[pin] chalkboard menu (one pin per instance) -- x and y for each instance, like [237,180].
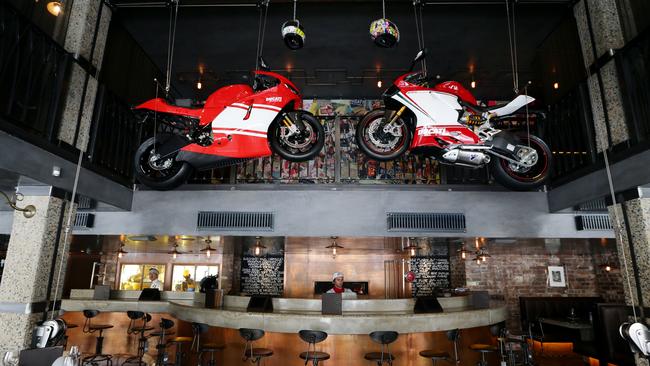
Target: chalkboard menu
[431,273]
[262,275]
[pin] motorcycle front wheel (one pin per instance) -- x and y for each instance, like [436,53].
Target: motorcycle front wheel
[301,146]
[160,174]
[379,144]
[516,178]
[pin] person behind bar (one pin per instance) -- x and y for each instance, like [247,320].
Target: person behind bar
[338,279]
[153,277]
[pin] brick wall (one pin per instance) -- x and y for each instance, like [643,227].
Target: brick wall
[520,269]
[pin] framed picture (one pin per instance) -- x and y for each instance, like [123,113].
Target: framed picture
[556,277]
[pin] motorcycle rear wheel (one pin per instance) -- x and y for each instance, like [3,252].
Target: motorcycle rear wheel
[505,173]
[297,148]
[366,133]
[160,175]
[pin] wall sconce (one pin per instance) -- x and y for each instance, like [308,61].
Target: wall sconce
[208,249]
[258,246]
[54,8]
[463,252]
[28,211]
[334,246]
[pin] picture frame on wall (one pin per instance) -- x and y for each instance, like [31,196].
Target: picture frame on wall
[556,276]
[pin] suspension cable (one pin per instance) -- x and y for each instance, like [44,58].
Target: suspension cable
[171,41]
[512,40]
[383,9]
[618,230]
[419,28]
[261,30]
[295,4]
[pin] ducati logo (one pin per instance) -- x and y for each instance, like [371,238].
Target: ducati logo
[430,131]
[274,99]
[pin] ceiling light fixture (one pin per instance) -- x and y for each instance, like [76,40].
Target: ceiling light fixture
[334,246]
[174,252]
[556,85]
[54,8]
[121,251]
[412,248]
[379,84]
[473,84]
[208,249]
[258,246]
[199,85]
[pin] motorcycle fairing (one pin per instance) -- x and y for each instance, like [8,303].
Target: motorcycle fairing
[436,116]
[240,129]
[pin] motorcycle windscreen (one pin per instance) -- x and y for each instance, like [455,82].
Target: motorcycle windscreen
[431,108]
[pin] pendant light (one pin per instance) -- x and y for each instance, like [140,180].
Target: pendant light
[334,246]
[174,252]
[258,246]
[293,33]
[208,249]
[412,248]
[121,252]
[55,8]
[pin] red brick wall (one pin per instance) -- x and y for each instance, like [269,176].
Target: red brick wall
[519,269]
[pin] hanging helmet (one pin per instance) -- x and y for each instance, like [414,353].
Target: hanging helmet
[384,33]
[293,34]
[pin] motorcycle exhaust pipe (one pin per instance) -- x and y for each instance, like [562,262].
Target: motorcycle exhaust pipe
[467,157]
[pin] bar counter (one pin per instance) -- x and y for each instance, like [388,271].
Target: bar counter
[347,342]
[291,315]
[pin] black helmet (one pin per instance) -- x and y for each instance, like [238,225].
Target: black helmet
[293,34]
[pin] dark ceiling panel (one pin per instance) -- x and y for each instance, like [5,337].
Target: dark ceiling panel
[339,60]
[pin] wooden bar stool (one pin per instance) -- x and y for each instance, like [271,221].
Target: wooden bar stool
[384,338]
[254,354]
[180,354]
[435,356]
[89,327]
[312,337]
[210,348]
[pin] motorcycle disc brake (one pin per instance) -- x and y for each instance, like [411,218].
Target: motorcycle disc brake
[383,139]
[298,141]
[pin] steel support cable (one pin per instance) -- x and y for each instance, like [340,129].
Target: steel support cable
[173,17]
[617,230]
[512,40]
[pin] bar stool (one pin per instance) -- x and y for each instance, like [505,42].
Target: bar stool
[452,335]
[180,354]
[89,327]
[162,356]
[254,354]
[384,338]
[312,337]
[210,348]
[483,348]
[134,328]
[68,326]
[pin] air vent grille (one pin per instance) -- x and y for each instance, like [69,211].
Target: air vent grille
[85,203]
[595,205]
[593,222]
[426,221]
[235,221]
[83,221]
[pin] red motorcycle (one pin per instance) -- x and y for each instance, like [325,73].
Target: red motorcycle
[237,123]
[446,122]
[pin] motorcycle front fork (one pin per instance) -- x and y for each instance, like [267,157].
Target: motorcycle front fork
[295,124]
[393,118]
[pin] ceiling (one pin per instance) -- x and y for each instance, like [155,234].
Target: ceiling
[339,59]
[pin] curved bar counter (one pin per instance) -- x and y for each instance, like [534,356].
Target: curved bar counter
[292,315]
[348,339]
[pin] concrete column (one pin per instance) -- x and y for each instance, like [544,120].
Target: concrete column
[607,34]
[82,28]
[28,266]
[637,213]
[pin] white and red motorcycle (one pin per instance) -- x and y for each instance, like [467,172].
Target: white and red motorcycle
[446,122]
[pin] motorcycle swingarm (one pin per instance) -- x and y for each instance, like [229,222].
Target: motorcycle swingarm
[170,144]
